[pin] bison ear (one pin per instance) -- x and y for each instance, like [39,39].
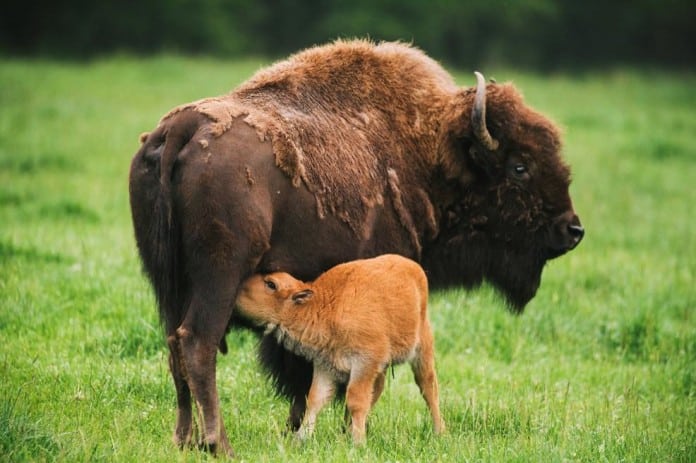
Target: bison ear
[301,297]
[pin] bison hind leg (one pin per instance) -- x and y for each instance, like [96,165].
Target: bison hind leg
[184,423]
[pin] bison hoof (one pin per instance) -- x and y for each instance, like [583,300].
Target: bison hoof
[217,448]
[183,439]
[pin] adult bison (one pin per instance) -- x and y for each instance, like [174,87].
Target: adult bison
[343,151]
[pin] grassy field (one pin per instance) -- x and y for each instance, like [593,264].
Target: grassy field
[601,367]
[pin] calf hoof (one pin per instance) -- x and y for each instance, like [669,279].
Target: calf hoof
[302,434]
[359,440]
[346,428]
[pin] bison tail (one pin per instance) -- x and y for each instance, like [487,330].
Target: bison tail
[166,271]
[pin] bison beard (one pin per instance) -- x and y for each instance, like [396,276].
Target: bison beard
[331,156]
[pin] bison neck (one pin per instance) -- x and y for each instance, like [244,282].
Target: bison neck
[455,259]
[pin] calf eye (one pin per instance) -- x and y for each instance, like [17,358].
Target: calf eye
[520,169]
[270,285]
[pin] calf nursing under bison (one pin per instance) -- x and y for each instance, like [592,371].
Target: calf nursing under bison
[352,323]
[341,152]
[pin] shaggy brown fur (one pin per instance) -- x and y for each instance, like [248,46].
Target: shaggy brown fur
[341,152]
[385,88]
[352,323]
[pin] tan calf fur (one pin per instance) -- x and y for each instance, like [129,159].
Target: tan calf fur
[352,322]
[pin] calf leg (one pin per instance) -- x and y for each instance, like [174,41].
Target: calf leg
[377,389]
[359,394]
[423,366]
[320,392]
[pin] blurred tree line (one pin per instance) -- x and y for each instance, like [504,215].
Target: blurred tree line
[543,34]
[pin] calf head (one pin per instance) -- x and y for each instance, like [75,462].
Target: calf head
[511,211]
[263,299]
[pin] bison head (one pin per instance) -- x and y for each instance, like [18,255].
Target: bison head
[509,210]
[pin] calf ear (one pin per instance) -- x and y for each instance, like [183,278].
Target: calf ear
[301,297]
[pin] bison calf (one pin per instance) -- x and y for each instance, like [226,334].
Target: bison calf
[352,322]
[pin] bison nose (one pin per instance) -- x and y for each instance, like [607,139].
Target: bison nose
[567,233]
[576,232]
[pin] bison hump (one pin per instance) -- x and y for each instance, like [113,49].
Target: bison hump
[342,119]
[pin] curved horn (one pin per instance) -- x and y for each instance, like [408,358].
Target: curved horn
[478,115]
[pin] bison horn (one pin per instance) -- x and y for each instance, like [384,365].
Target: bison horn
[478,115]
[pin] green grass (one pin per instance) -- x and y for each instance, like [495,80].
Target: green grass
[601,367]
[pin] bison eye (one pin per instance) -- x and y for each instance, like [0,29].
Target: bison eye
[520,171]
[270,285]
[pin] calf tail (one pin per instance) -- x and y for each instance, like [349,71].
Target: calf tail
[424,292]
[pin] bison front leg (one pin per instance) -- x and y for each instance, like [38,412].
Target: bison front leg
[291,374]
[298,406]
[299,373]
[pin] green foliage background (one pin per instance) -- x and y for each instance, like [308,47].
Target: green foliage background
[601,367]
[541,34]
